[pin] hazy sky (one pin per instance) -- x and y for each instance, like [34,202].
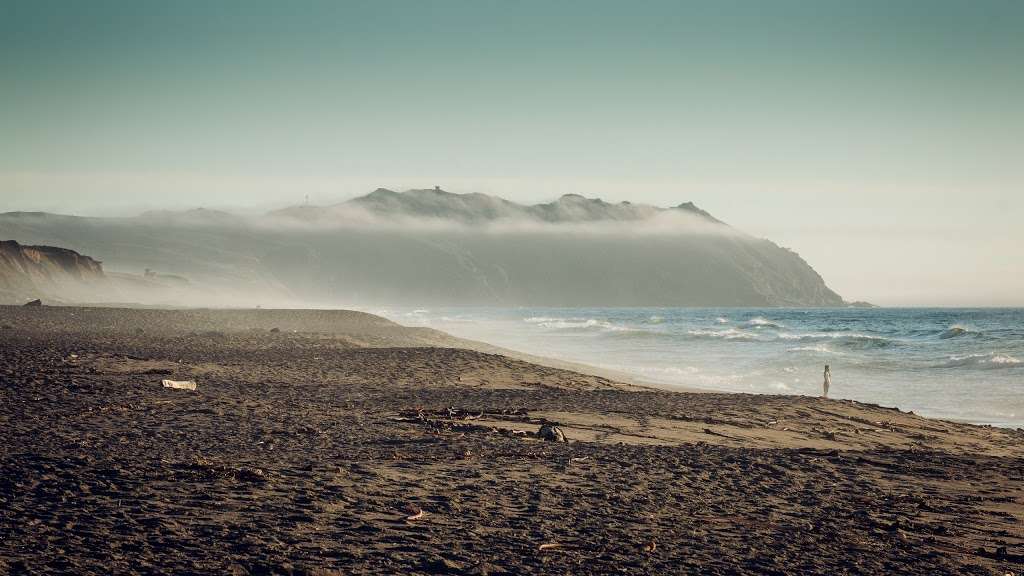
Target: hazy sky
[883,141]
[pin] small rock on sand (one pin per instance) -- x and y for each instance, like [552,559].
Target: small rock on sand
[551,433]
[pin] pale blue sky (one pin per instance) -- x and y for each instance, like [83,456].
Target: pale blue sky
[881,140]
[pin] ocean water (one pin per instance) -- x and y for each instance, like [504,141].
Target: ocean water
[962,364]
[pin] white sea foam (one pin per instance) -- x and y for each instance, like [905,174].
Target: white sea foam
[989,360]
[845,339]
[726,334]
[762,322]
[542,319]
[829,336]
[658,370]
[578,324]
[457,319]
[817,348]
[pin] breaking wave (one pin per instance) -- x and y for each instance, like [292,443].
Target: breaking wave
[579,324]
[724,334]
[760,322]
[955,332]
[568,323]
[817,348]
[846,340]
[991,360]
[547,319]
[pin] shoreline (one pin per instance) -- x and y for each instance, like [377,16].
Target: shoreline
[361,446]
[434,337]
[438,338]
[925,363]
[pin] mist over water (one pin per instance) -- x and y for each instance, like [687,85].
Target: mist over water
[965,364]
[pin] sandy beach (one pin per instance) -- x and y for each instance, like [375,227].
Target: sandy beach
[334,442]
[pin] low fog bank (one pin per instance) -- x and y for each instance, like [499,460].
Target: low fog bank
[356,218]
[433,248]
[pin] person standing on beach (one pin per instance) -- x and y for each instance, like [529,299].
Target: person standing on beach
[828,381]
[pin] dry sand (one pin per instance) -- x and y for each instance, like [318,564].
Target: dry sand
[338,442]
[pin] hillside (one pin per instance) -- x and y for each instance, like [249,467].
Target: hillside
[29,272]
[476,208]
[431,247]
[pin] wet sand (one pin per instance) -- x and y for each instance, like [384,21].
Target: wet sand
[340,443]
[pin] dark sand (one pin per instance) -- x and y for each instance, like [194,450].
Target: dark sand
[316,451]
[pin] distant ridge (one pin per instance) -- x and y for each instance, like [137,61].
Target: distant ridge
[473,208]
[430,247]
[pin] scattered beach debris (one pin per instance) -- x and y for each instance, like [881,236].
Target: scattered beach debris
[248,474]
[551,433]
[459,421]
[159,371]
[442,565]
[549,546]
[420,513]
[453,420]
[203,469]
[650,546]
[36,302]
[180,384]
[1000,553]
